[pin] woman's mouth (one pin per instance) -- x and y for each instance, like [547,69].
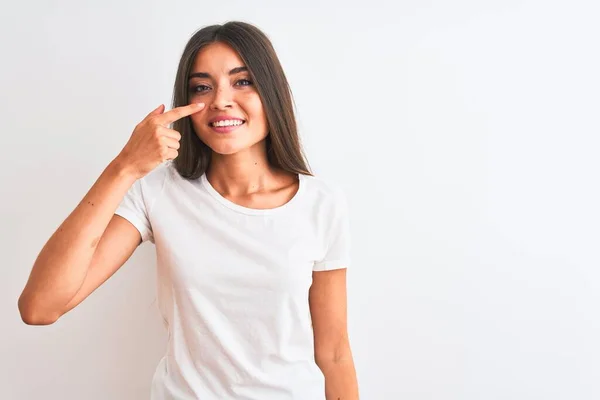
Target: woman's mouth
[226,126]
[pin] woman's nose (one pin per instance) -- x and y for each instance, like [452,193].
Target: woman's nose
[222,99]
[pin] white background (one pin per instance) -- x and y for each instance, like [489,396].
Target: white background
[465,134]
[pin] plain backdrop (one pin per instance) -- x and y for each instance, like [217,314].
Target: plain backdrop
[465,134]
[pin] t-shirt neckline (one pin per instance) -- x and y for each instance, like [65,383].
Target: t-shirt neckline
[252,211]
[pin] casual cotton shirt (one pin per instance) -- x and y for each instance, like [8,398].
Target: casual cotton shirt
[233,285]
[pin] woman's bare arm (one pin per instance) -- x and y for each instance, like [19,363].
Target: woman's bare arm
[62,265]
[92,242]
[328,307]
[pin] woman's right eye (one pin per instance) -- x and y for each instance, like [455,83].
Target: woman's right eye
[199,88]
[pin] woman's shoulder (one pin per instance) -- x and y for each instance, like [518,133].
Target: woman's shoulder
[159,174]
[153,183]
[324,188]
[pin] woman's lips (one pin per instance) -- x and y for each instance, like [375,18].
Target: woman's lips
[225,129]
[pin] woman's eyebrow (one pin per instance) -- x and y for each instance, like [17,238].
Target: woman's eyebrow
[234,71]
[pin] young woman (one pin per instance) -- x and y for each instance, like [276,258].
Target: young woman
[252,249]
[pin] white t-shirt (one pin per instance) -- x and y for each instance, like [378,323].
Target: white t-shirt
[233,285]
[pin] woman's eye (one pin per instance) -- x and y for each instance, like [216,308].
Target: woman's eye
[199,88]
[204,88]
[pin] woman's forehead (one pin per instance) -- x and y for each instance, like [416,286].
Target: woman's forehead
[217,57]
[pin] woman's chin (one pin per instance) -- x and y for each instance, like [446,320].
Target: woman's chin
[233,146]
[226,148]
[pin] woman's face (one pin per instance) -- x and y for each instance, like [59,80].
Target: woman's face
[219,79]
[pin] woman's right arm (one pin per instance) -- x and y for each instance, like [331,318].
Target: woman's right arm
[62,265]
[93,242]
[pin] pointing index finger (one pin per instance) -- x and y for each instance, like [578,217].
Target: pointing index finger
[179,112]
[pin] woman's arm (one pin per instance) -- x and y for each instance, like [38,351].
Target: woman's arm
[328,309]
[92,243]
[62,265]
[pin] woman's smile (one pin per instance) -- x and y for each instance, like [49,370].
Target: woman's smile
[226,126]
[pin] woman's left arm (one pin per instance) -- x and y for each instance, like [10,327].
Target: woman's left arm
[328,307]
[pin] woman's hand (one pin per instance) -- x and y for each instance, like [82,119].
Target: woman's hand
[151,142]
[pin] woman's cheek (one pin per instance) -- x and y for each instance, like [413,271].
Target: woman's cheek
[196,123]
[198,118]
[255,106]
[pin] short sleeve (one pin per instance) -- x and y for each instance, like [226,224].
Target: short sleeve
[337,254]
[134,208]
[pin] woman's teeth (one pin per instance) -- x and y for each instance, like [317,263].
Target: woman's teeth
[227,123]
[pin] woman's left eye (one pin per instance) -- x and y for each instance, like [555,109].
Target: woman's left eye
[247,82]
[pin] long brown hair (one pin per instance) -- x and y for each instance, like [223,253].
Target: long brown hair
[284,149]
